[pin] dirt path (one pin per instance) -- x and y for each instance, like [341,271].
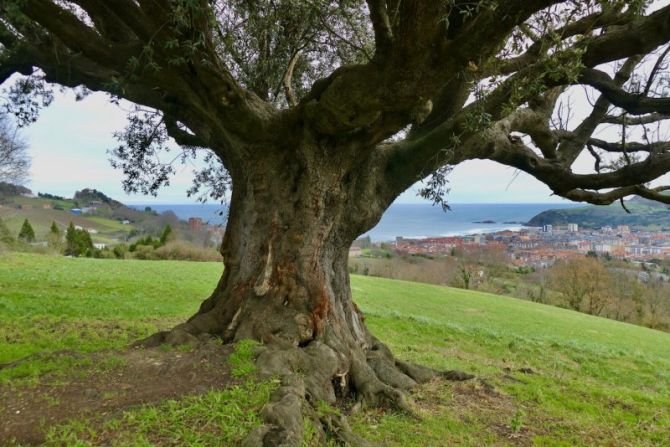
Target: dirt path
[136,377]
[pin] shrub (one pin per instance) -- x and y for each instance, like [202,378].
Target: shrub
[184,251]
[120,251]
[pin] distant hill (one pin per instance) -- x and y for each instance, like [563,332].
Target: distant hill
[88,196]
[645,214]
[109,221]
[7,190]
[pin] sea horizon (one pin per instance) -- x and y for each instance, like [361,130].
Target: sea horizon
[408,220]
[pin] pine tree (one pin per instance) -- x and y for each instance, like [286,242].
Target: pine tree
[27,234]
[167,232]
[71,241]
[77,241]
[55,237]
[5,235]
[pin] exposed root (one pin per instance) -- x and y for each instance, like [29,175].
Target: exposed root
[457,375]
[173,337]
[312,379]
[315,376]
[41,356]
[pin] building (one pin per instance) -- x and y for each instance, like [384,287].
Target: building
[548,228]
[355,252]
[195,223]
[573,228]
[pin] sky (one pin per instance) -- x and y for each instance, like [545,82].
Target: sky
[69,142]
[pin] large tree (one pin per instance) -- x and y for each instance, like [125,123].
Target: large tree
[14,160]
[322,113]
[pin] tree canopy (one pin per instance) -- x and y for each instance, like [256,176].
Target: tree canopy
[422,85]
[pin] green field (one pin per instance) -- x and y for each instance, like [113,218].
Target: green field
[587,380]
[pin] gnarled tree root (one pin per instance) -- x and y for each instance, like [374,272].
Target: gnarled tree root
[315,377]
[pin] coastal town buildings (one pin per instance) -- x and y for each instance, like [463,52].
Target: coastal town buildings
[541,247]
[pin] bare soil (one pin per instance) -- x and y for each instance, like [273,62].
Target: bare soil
[136,377]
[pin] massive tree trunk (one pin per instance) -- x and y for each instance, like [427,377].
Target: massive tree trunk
[286,284]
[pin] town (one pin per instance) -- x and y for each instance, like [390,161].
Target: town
[540,247]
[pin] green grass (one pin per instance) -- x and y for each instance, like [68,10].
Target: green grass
[90,304]
[216,418]
[595,381]
[109,224]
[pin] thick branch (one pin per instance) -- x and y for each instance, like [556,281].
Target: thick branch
[635,120]
[544,43]
[638,37]
[606,198]
[659,146]
[72,32]
[632,103]
[287,80]
[381,25]
[570,149]
[181,136]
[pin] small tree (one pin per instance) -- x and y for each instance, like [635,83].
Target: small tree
[77,241]
[5,235]
[14,160]
[584,282]
[27,234]
[166,235]
[55,237]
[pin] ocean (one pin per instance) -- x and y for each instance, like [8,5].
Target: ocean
[412,220]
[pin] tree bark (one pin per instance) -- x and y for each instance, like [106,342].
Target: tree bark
[286,284]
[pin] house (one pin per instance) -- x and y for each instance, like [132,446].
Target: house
[355,252]
[100,245]
[195,223]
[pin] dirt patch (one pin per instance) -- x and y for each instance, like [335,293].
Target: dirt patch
[136,377]
[479,399]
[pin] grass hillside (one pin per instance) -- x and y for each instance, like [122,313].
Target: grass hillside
[545,376]
[16,209]
[644,214]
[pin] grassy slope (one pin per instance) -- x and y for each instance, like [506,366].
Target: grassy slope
[109,230]
[596,381]
[644,214]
